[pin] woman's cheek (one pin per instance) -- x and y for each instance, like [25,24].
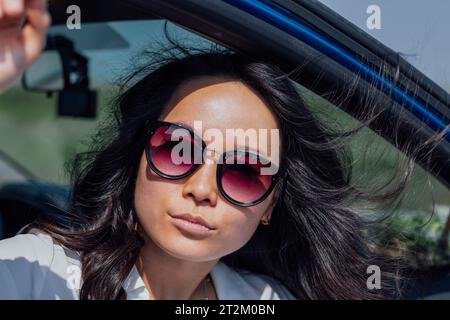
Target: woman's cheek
[237,229]
[150,201]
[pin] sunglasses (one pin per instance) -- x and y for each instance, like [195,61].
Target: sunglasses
[175,152]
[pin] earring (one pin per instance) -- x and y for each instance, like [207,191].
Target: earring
[265,222]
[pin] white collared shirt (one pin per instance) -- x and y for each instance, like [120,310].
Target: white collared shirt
[33,266]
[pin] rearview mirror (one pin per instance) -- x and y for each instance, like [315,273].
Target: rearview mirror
[46,74]
[62,69]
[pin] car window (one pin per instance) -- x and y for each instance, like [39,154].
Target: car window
[374,159]
[417,226]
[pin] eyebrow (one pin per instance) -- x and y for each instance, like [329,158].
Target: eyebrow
[183,124]
[238,148]
[248,148]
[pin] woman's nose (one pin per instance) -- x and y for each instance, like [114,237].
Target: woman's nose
[202,186]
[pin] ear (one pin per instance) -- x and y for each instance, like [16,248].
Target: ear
[267,214]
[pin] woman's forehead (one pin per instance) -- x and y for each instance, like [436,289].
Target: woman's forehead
[219,104]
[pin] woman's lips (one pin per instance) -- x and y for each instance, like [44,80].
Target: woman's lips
[195,225]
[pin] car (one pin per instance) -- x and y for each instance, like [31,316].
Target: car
[80,61]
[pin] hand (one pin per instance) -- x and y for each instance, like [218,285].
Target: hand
[21,44]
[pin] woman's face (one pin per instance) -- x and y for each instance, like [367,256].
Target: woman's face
[219,104]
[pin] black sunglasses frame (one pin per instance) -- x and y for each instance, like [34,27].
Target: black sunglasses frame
[154,125]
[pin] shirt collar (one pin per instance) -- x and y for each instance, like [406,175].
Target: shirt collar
[228,284]
[135,286]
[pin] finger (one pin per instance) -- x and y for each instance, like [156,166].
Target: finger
[10,25]
[34,34]
[32,44]
[36,4]
[38,19]
[13,8]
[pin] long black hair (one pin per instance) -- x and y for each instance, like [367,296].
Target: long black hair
[317,243]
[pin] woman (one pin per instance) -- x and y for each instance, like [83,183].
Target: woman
[144,226]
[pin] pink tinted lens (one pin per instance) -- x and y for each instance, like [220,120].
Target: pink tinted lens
[242,179]
[161,147]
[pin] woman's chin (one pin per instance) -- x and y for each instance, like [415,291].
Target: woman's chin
[190,250]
